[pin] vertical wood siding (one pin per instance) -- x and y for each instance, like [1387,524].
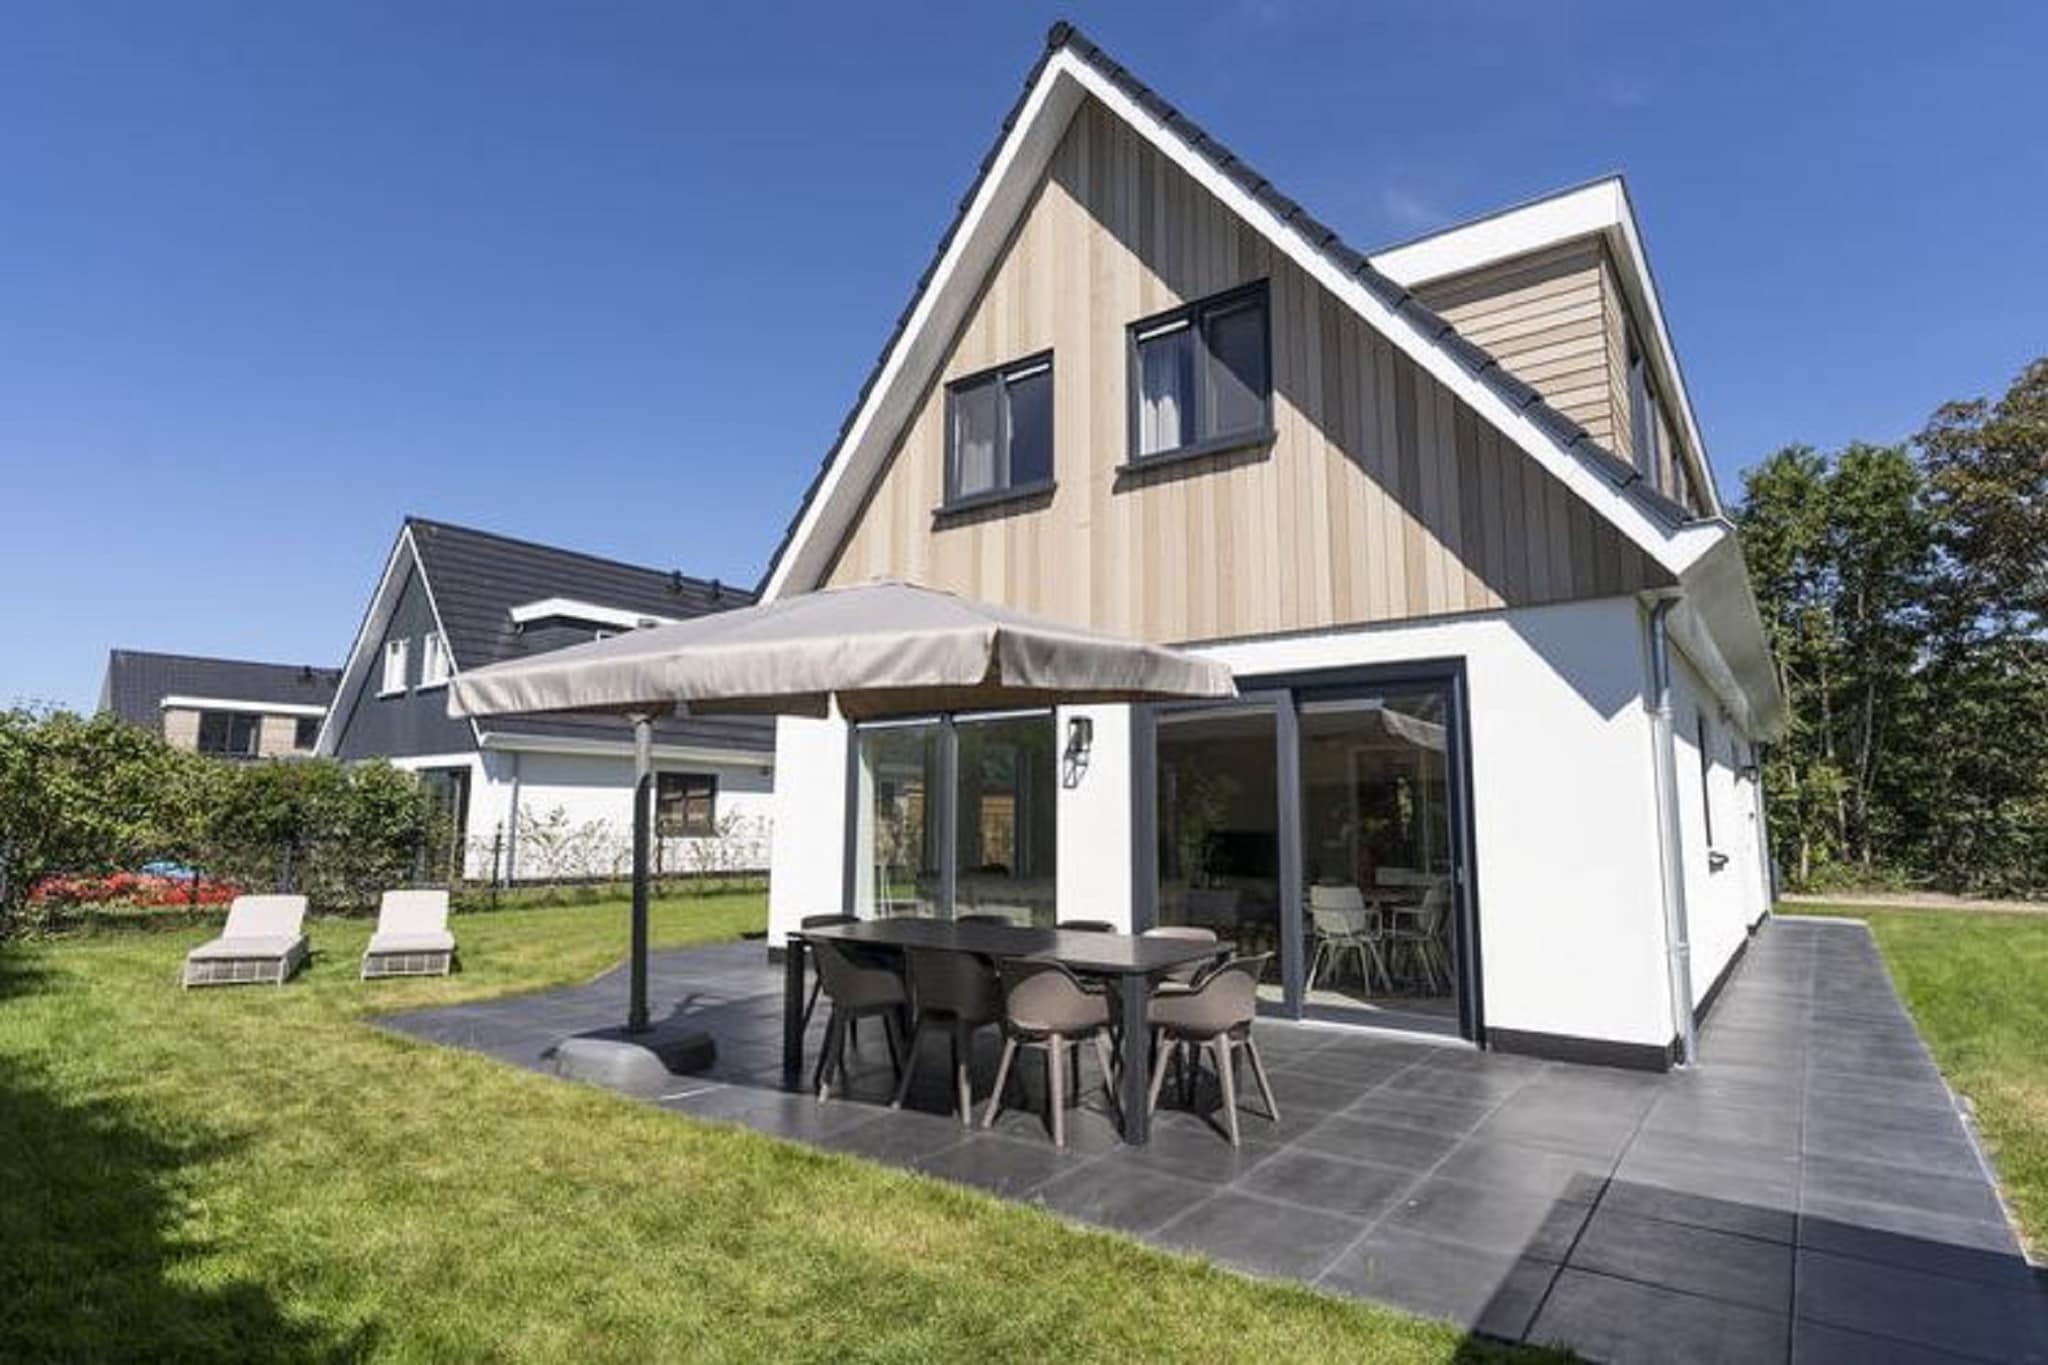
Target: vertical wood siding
[1382,497]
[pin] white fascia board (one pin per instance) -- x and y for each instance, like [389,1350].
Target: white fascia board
[922,346]
[375,616]
[262,708]
[985,227]
[574,609]
[1601,208]
[601,748]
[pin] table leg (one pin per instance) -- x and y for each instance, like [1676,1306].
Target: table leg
[793,954]
[1134,1080]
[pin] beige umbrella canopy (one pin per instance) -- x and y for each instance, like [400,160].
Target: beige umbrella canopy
[883,648]
[878,649]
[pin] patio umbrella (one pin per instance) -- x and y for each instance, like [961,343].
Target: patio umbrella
[885,648]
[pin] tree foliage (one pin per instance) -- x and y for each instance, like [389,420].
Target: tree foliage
[1905,589]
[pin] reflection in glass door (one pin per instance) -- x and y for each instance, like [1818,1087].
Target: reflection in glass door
[898,838]
[1218,828]
[1379,834]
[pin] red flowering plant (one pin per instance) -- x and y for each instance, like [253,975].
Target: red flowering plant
[141,889]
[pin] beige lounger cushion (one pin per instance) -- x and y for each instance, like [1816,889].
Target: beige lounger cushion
[442,942]
[256,946]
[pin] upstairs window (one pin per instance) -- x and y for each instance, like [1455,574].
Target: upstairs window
[685,805]
[1201,376]
[433,660]
[1643,423]
[229,734]
[395,652]
[999,432]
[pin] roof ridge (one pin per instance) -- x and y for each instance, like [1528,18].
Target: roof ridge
[126,653]
[431,524]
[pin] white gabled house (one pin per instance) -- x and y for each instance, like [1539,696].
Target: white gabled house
[1445,511]
[543,797]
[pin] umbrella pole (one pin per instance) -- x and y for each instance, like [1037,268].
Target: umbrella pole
[643,798]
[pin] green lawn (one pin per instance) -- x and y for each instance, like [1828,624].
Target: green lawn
[260,1173]
[1977,984]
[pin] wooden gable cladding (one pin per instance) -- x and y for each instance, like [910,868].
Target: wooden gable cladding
[1382,497]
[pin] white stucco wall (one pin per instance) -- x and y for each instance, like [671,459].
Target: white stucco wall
[1721,906]
[807,868]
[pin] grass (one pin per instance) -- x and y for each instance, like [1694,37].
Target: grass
[262,1174]
[1977,984]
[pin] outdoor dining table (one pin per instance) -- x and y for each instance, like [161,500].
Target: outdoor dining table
[1129,963]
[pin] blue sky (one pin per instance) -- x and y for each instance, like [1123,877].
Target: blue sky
[608,275]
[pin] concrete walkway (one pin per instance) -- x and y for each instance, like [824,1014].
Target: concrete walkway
[1807,1193]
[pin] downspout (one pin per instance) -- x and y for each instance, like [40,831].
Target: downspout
[512,825]
[1670,836]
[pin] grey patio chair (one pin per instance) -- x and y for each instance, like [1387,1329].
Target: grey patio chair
[1342,926]
[412,937]
[1045,1006]
[1190,933]
[960,993]
[1215,1013]
[263,941]
[818,981]
[856,988]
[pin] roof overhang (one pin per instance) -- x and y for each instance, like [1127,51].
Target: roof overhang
[1599,209]
[265,708]
[1063,79]
[587,613]
[498,741]
[1717,626]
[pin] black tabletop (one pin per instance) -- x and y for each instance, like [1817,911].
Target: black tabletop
[1100,954]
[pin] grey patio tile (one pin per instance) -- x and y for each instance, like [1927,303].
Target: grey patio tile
[1506,1165]
[1476,1290]
[1127,1198]
[1718,1265]
[999,1165]
[1918,1091]
[1774,1127]
[1964,1249]
[897,1138]
[1385,1144]
[1091,1131]
[1559,1123]
[1427,1113]
[1354,1188]
[1505,1222]
[1730,1171]
[800,1118]
[1929,1310]
[1816,1343]
[1184,1145]
[1455,1084]
[1348,1068]
[1261,1236]
[1306,1092]
[1875,1182]
[1621,1322]
[1939,1148]
[1700,1211]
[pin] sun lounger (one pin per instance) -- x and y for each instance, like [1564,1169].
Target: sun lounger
[263,941]
[412,937]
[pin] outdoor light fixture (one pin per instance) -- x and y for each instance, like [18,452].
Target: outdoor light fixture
[1080,736]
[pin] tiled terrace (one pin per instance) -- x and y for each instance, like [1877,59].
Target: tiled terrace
[1807,1193]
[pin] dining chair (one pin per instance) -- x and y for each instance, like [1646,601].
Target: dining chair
[856,989]
[1216,1013]
[983,918]
[1187,933]
[818,981]
[1343,925]
[1087,926]
[1045,1006]
[958,992]
[1422,940]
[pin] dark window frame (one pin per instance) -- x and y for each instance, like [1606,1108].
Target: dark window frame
[1000,376]
[1197,315]
[1706,774]
[305,732]
[687,784]
[232,720]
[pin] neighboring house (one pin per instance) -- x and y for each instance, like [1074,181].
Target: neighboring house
[543,797]
[230,708]
[1443,509]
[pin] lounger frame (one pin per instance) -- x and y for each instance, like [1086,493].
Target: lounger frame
[245,971]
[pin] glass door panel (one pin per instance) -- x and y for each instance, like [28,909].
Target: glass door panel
[1379,850]
[897,837]
[1005,829]
[1219,827]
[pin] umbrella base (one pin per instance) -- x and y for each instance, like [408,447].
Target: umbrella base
[646,1064]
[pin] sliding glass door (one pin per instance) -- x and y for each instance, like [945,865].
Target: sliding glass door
[1323,819]
[956,815]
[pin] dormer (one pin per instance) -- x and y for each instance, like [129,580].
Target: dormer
[1560,292]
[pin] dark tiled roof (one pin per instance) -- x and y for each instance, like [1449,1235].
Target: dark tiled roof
[1476,361]
[137,682]
[477,577]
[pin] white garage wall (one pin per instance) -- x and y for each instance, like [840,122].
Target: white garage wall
[1564,813]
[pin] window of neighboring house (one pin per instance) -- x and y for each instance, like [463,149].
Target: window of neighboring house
[395,652]
[999,431]
[1702,736]
[433,660]
[1201,376]
[230,734]
[685,805]
[306,733]
[1643,423]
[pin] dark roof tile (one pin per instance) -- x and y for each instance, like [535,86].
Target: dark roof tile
[137,681]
